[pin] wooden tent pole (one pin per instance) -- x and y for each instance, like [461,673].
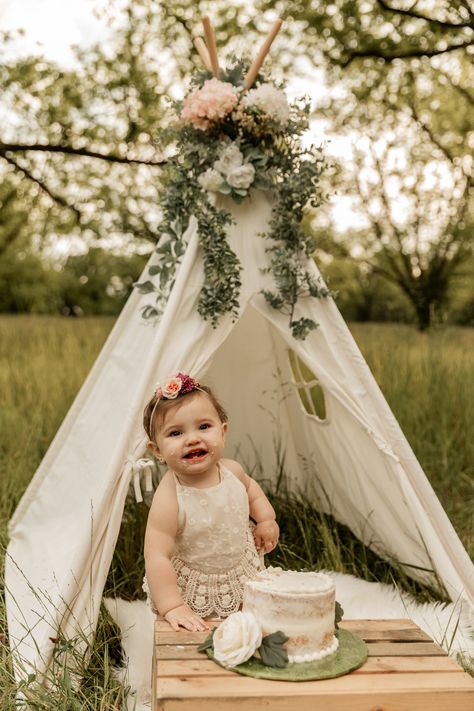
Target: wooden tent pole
[203,53]
[211,44]
[258,61]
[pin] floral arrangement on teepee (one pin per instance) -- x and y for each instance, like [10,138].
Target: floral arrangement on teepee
[231,139]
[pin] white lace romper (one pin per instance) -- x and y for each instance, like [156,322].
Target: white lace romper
[215,550]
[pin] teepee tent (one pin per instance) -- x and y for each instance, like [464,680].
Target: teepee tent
[355,457]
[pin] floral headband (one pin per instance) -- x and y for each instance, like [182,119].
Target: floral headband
[179,384]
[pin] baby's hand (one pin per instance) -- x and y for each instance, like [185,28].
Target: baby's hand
[183,616]
[266,535]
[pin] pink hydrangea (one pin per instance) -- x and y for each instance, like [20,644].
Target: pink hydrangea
[209,104]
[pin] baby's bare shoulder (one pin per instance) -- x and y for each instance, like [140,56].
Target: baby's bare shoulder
[236,469]
[165,492]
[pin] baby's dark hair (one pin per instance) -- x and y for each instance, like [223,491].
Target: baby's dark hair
[155,409]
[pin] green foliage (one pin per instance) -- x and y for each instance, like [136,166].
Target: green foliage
[28,285]
[282,165]
[97,282]
[272,650]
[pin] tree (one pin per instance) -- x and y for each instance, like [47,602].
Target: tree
[83,145]
[390,67]
[99,282]
[421,248]
[87,143]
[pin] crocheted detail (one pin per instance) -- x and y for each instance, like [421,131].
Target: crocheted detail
[217,593]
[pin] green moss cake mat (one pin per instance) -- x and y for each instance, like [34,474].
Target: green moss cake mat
[351,654]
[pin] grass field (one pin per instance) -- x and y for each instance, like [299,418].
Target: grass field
[426,378]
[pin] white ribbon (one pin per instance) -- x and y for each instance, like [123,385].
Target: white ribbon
[145,466]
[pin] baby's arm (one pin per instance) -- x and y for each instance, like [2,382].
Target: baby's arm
[160,536]
[266,532]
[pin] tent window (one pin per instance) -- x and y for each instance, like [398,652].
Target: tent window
[309,390]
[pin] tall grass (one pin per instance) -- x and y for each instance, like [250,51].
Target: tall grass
[426,378]
[428,381]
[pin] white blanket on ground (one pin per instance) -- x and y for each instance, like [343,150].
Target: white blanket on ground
[447,625]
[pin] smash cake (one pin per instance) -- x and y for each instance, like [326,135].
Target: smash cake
[299,604]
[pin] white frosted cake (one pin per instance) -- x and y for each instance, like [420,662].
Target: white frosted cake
[300,604]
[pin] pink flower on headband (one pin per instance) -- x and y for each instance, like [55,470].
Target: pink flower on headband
[172,388]
[178,384]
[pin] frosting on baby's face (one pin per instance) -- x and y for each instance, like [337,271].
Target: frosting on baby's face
[190,438]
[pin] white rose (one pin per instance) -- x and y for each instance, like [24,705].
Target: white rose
[236,639]
[230,158]
[241,177]
[211,180]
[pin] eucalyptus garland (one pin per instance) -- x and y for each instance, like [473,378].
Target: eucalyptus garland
[231,141]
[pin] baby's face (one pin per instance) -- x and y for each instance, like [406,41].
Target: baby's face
[191,436]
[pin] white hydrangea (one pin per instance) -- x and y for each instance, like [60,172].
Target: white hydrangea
[271,101]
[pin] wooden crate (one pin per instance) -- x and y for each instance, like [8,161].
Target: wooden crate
[405,671]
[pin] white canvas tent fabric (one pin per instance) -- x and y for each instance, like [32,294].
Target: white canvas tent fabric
[356,461]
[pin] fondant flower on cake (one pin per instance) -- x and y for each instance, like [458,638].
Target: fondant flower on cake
[209,104]
[236,639]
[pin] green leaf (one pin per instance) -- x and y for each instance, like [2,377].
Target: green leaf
[302,327]
[272,650]
[208,643]
[339,615]
[145,287]
[149,312]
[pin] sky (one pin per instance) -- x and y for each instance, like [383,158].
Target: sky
[52,26]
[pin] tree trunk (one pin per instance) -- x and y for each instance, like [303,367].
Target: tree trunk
[423,314]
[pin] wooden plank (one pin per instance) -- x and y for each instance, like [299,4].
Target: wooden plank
[396,665]
[154,668]
[385,701]
[367,629]
[352,625]
[162,626]
[400,635]
[427,683]
[375,649]
[386,624]
[375,665]
[177,651]
[169,636]
[399,649]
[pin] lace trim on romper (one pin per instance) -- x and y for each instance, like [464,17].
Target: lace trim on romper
[215,550]
[217,593]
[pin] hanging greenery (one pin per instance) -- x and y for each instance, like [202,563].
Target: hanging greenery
[231,141]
